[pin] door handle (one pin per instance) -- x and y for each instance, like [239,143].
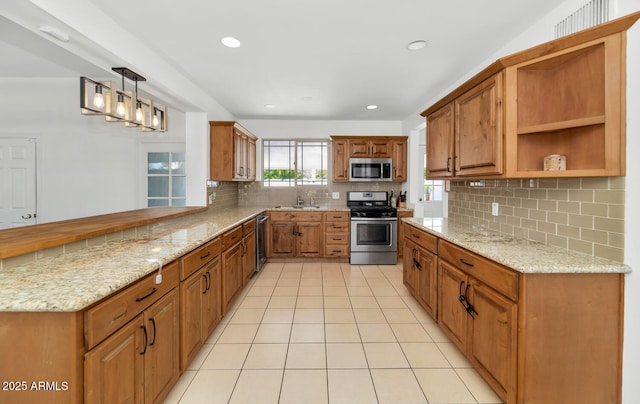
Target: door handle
[28,216]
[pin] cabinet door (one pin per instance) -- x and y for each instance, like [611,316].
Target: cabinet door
[409,269]
[231,274]
[493,337]
[309,239]
[162,359]
[399,160]
[478,129]
[251,159]
[212,298]
[240,154]
[380,148]
[191,292]
[283,241]
[452,316]
[249,256]
[359,148]
[427,281]
[440,143]
[114,369]
[340,156]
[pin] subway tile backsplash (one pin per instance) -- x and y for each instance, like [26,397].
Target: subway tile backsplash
[580,214]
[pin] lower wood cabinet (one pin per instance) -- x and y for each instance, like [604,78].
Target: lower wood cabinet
[248,250]
[140,362]
[296,234]
[531,336]
[232,261]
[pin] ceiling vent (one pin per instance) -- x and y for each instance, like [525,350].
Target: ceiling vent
[591,14]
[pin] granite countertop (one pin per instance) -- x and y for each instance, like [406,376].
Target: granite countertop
[73,281]
[519,254]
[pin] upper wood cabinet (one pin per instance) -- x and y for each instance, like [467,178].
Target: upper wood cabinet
[369,147]
[340,160]
[564,97]
[346,147]
[232,152]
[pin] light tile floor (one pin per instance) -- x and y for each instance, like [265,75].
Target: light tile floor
[329,333]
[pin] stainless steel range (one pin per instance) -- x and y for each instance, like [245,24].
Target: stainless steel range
[374,229]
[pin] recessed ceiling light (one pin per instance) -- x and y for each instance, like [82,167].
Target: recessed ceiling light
[372,106]
[230,42]
[417,45]
[271,106]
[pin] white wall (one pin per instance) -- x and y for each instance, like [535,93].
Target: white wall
[631,353]
[86,166]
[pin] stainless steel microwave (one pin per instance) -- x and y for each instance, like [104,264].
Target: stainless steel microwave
[364,170]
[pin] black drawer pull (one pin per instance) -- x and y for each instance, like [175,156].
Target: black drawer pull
[206,255]
[146,339]
[153,322]
[139,299]
[469,264]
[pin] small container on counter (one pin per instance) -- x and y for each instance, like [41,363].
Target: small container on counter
[555,162]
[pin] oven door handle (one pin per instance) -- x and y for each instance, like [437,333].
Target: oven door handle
[374,219]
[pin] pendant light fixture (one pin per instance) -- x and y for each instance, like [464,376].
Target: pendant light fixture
[101,98]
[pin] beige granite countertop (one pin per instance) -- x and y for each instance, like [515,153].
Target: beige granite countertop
[73,281]
[519,254]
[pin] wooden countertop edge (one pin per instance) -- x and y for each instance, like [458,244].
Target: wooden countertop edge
[23,240]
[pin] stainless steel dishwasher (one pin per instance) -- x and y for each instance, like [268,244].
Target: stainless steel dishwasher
[261,240]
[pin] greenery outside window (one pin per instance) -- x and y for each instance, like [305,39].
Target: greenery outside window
[288,163]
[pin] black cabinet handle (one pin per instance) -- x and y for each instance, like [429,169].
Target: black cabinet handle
[208,279]
[469,264]
[153,323]
[206,255]
[139,299]
[205,284]
[146,339]
[448,164]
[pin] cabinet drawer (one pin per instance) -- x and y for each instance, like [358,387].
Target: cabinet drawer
[108,316]
[194,260]
[490,273]
[422,238]
[280,216]
[248,227]
[337,238]
[339,227]
[336,250]
[337,216]
[231,237]
[296,216]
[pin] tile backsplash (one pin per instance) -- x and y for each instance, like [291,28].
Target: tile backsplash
[580,214]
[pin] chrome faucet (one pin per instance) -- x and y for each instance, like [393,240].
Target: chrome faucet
[299,201]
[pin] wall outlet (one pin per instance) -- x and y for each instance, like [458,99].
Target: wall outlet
[212,196]
[336,195]
[495,206]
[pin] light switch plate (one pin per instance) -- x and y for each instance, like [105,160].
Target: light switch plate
[495,208]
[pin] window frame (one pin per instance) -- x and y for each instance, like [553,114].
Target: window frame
[296,163]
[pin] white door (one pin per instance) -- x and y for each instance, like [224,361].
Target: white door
[17,182]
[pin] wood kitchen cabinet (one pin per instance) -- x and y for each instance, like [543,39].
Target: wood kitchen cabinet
[401,229]
[564,97]
[336,242]
[232,152]
[477,303]
[346,147]
[200,298]
[232,261]
[140,362]
[248,250]
[464,137]
[399,155]
[296,234]
[419,270]
[369,147]
[340,160]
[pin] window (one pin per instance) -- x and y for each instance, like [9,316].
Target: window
[288,163]
[432,190]
[166,180]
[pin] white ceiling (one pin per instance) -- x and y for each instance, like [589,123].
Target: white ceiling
[312,59]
